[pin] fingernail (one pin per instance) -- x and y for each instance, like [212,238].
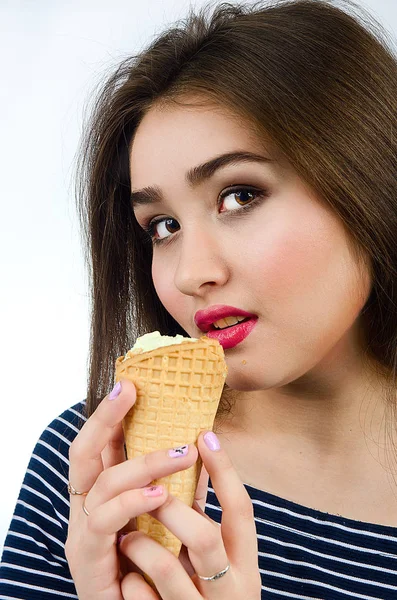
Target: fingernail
[211,441]
[181,451]
[153,490]
[115,391]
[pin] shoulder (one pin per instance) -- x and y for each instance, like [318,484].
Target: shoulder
[34,560]
[34,548]
[51,452]
[48,467]
[44,491]
[67,425]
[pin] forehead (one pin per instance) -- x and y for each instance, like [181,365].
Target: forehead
[175,138]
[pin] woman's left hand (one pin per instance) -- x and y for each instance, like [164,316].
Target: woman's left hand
[210,547]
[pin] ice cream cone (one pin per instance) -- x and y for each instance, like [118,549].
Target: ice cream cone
[178,391]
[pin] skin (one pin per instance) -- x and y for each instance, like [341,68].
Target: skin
[309,409]
[105,569]
[300,375]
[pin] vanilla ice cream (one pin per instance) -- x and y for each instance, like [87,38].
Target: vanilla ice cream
[153,340]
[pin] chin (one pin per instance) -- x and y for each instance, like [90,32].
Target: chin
[244,381]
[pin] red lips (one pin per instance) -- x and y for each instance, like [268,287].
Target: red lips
[205,318]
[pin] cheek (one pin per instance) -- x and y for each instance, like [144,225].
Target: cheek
[172,299]
[276,259]
[162,283]
[302,271]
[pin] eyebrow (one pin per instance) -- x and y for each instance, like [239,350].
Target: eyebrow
[197,175]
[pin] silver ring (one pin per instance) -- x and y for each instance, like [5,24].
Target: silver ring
[216,576]
[85,510]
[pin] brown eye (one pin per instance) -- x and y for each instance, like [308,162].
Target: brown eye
[234,198]
[171,225]
[160,228]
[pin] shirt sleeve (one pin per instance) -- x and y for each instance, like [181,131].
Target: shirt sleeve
[33,564]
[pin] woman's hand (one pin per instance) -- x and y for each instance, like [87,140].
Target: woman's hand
[210,547]
[115,496]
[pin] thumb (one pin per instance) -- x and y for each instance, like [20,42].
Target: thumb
[202,487]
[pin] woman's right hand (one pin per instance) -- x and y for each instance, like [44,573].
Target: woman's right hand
[115,495]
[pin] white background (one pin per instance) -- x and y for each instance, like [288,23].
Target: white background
[52,56]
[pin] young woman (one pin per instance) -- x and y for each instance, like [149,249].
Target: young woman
[244,165]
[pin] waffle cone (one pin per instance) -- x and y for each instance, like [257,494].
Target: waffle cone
[178,392]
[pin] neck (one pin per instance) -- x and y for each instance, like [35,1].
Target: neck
[334,411]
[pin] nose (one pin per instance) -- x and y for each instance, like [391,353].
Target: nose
[202,263]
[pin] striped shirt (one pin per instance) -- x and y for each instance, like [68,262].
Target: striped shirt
[302,553]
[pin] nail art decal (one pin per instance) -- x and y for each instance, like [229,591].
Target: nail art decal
[181,451]
[153,491]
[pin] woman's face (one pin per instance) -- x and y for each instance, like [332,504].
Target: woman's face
[269,248]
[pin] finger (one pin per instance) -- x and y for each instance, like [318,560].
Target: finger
[202,488]
[114,452]
[199,510]
[238,524]
[100,429]
[126,566]
[115,514]
[134,586]
[202,537]
[185,561]
[201,494]
[167,573]
[138,473]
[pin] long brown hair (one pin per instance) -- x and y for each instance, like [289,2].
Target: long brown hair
[319,82]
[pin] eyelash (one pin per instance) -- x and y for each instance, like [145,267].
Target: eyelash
[149,227]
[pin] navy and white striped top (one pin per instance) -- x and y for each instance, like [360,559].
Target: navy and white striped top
[302,553]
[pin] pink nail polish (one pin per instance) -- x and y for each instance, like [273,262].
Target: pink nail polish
[115,391]
[181,451]
[153,491]
[211,441]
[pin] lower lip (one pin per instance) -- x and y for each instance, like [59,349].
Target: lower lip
[230,337]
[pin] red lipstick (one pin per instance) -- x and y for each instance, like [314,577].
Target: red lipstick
[230,336]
